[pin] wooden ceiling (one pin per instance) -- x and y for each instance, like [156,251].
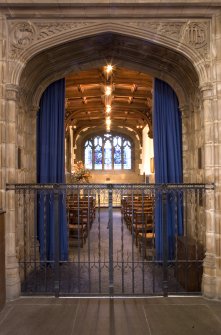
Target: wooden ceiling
[131,99]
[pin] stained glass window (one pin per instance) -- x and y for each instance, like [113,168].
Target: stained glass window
[88,155]
[127,155]
[108,155]
[98,153]
[108,152]
[117,153]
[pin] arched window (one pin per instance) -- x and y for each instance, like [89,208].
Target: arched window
[108,152]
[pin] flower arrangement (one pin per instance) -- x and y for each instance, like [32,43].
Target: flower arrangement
[80,174]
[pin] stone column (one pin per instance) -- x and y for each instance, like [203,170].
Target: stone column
[216,53]
[209,275]
[3,51]
[7,165]
[12,270]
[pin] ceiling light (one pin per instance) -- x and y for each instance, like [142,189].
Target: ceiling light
[109,68]
[108,90]
[108,109]
[108,121]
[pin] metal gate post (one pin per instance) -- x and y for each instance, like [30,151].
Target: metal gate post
[165,243]
[110,226]
[56,242]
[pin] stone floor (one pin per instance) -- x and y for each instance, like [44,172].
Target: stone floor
[149,316]
[111,316]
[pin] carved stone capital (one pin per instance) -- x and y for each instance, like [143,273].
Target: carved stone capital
[11,92]
[206,90]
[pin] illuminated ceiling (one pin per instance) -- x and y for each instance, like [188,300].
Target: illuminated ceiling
[130,100]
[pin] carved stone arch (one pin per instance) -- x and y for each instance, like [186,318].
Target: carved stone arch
[144,31]
[49,66]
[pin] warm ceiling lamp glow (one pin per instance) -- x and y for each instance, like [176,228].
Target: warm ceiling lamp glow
[108,121]
[109,68]
[108,90]
[108,109]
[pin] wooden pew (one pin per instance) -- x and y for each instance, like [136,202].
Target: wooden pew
[81,213]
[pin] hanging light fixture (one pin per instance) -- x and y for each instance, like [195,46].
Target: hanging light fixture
[108,109]
[108,69]
[108,90]
[108,121]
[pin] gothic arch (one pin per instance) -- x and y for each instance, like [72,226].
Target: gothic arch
[48,51]
[30,51]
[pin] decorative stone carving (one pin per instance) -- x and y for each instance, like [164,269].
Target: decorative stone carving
[173,30]
[22,35]
[48,29]
[194,34]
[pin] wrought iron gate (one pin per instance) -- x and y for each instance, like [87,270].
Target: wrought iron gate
[115,245]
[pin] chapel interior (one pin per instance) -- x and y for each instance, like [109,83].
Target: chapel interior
[110,101]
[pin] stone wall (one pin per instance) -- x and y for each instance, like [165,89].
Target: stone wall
[2,261]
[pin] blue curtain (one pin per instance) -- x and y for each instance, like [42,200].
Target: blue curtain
[168,164]
[51,169]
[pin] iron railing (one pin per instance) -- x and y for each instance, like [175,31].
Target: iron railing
[117,247]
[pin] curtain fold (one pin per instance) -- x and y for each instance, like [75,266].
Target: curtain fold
[167,130]
[51,169]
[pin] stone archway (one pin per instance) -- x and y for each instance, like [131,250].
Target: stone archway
[39,55]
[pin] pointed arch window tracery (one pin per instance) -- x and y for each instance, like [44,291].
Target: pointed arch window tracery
[108,152]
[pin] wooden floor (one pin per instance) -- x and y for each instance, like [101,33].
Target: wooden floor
[150,316]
